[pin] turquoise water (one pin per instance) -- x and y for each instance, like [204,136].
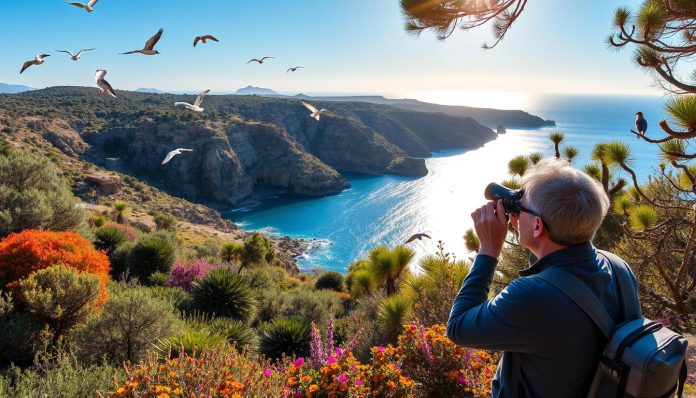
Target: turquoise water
[387,209]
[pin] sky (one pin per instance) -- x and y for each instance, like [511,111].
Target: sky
[346,47]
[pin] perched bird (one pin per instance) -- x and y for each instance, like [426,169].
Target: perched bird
[294,69]
[203,39]
[104,86]
[175,152]
[641,124]
[87,7]
[315,113]
[196,107]
[38,60]
[149,45]
[77,56]
[418,237]
[260,61]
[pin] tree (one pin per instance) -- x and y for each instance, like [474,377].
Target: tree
[389,267]
[231,252]
[257,249]
[34,196]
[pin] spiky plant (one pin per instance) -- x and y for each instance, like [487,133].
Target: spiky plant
[153,253]
[120,207]
[471,241]
[570,152]
[289,336]
[518,165]
[224,293]
[393,312]
[556,138]
[330,280]
[190,343]
[235,332]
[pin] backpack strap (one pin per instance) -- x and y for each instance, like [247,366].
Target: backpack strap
[581,295]
[631,306]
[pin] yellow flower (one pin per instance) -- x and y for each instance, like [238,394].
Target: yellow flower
[164,395]
[120,390]
[176,391]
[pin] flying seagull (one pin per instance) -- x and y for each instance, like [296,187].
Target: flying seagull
[417,237]
[294,69]
[77,56]
[315,113]
[149,45]
[104,86]
[260,61]
[196,107]
[203,39]
[173,153]
[641,125]
[38,60]
[87,7]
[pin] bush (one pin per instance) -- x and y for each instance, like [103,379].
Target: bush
[109,238]
[19,337]
[224,293]
[29,251]
[165,221]
[330,280]
[33,196]
[235,332]
[184,274]
[60,297]
[130,322]
[160,279]
[119,259]
[152,253]
[190,342]
[289,336]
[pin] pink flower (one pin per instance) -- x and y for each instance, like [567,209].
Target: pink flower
[342,378]
[358,382]
[380,348]
[462,379]
[331,360]
[299,362]
[338,352]
[267,373]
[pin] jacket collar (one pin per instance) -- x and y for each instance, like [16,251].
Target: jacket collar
[571,254]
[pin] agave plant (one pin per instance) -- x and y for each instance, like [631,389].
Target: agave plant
[224,293]
[285,336]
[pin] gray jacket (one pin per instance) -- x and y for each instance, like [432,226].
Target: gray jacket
[551,347]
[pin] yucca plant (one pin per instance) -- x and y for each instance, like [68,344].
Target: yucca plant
[236,332]
[109,238]
[224,293]
[518,165]
[393,312]
[289,336]
[153,253]
[330,280]
[556,138]
[120,208]
[190,343]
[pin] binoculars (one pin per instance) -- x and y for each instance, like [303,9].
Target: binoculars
[510,197]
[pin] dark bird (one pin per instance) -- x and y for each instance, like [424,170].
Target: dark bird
[641,124]
[260,61]
[149,45]
[203,39]
[87,7]
[38,60]
[294,69]
[104,86]
[77,56]
[417,237]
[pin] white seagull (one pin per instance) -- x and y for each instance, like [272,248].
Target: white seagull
[77,56]
[196,107]
[38,60]
[315,113]
[203,39]
[149,45]
[87,7]
[260,61]
[175,152]
[104,86]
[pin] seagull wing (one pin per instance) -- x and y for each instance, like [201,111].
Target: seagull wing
[83,50]
[186,104]
[104,85]
[25,66]
[299,67]
[77,5]
[253,60]
[308,106]
[169,156]
[100,75]
[411,239]
[289,69]
[150,44]
[92,3]
[266,58]
[211,37]
[41,56]
[196,40]
[131,52]
[66,51]
[426,236]
[184,150]
[199,99]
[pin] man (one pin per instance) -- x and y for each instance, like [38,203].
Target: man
[551,347]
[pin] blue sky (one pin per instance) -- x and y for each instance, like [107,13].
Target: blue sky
[346,46]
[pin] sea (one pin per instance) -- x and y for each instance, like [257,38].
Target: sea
[386,210]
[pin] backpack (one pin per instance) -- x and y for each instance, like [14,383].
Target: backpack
[642,358]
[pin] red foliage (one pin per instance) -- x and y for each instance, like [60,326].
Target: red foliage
[31,250]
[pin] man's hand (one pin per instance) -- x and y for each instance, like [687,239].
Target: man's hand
[491,227]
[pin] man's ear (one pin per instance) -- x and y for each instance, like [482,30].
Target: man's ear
[538,227]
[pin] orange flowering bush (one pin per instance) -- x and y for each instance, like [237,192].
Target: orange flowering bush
[440,367]
[221,372]
[24,252]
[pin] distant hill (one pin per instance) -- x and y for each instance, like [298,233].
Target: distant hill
[13,88]
[150,90]
[251,90]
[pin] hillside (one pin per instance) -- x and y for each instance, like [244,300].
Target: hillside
[239,143]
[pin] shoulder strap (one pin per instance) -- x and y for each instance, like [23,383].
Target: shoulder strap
[582,295]
[630,304]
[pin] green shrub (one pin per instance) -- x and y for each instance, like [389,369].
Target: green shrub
[19,337]
[109,238]
[129,324]
[60,296]
[235,332]
[190,342]
[176,296]
[98,220]
[153,253]
[330,280]
[119,259]
[158,279]
[165,221]
[289,336]
[224,293]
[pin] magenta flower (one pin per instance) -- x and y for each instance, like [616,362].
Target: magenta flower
[185,274]
[299,362]
[380,348]
[267,373]
[331,360]
[358,382]
[342,378]
[339,352]
[462,379]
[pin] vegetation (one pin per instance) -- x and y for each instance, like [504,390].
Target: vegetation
[153,253]
[330,280]
[285,336]
[224,293]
